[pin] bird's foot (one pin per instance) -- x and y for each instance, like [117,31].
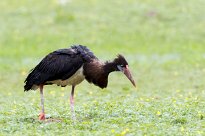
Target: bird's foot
[42,116]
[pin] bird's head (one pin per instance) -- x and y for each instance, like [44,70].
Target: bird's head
[122,65]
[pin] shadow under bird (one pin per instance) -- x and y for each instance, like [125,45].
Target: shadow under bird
[70,67]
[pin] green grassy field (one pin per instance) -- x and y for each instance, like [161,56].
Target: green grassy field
[163,42]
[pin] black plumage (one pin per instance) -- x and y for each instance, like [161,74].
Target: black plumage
[70,67]
[60,64]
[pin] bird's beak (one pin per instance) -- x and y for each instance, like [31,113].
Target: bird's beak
[126,71]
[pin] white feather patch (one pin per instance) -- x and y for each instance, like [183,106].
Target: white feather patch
[75,79]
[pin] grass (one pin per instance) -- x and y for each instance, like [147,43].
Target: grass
[163,42]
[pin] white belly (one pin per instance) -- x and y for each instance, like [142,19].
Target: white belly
[75,79]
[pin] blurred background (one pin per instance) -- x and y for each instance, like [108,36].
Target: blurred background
[160,39]
[163,41]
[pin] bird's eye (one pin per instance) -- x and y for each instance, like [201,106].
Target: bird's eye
[122,66]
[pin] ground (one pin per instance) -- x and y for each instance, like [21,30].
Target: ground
[163,42]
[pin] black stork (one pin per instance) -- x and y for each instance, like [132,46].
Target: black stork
[70,67]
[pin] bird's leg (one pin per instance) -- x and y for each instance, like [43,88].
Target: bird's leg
[42,114]
[72,102]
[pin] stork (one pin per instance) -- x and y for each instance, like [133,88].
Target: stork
[71,66]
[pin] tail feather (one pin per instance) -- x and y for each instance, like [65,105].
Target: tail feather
[29,80]
[35,78]
[27,87]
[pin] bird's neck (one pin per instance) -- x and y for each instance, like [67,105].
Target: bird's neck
[97,73]
[109,67]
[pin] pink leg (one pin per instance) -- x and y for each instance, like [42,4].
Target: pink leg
[42,114]
[72,103]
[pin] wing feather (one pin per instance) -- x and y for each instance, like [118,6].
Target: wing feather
[54,66]
[60,64]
